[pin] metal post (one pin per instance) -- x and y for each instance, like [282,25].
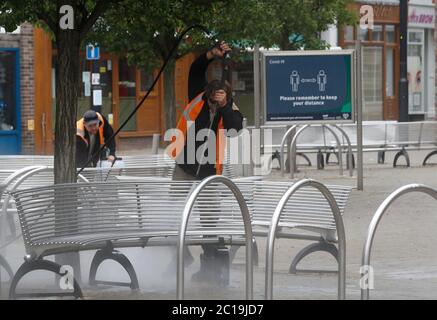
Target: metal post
[359,116]
[254,151]
[257,106]
[155,143]
[403,81]
[291,150]
[339,147]
[257,87]
[349,147]
[285,140]
[292,160]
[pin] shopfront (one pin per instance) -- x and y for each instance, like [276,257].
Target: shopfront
[10,119]
[380,59]
[120,87]
[421,59]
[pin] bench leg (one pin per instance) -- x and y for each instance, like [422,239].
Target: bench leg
[381,157]
[348,156]
[255,255]
[45,265]
[314,247]
[401,153]
[276,156]
[431,154]
[109,254]
[328,155]
[320,160]
[12,226]
[303,155]
[5,265]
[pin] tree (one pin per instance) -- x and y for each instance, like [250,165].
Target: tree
[68,21]
[146,34]
[299,22]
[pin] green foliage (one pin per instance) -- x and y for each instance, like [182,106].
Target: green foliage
[146,33]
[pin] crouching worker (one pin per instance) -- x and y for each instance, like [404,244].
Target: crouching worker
[93,130]
[212,108]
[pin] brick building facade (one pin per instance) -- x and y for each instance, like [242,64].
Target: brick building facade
[27,70]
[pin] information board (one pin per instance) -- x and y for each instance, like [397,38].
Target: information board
[309,86]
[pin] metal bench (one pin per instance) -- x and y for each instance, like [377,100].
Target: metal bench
[306,215]
[152,223]
[303,210]
[380,137]
[17,162]
[104,217]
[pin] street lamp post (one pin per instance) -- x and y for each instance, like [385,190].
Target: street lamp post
[403,82]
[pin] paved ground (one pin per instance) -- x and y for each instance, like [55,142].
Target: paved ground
[404,257]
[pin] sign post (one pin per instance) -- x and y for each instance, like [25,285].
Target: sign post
[359,116]
[93,54]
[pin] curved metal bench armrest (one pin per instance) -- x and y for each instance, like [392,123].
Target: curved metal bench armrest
[247,228]
[274,225]
[367,248]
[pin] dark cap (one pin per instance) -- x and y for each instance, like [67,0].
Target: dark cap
[90,117]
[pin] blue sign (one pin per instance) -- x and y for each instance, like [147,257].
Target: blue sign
[92,52]
[309,86]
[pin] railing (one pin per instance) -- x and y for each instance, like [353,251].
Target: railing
[365,291]
[339,227]
[293,148]
[247,229]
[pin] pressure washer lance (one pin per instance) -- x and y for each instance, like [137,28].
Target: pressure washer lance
[110,168]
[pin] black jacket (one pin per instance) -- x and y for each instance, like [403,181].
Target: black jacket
[232,119]
[82,149]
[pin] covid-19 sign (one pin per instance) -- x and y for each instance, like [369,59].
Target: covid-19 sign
[309,86]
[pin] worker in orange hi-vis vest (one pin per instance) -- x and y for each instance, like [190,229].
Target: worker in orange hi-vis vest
[211,107]
[93,130]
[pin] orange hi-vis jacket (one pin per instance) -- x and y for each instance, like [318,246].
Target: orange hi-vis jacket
[191,112]
[80,125]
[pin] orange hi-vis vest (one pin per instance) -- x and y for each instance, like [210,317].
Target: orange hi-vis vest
[80,125]
[191,112]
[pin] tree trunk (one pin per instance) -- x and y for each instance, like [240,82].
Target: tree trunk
[67,88]
[170,95]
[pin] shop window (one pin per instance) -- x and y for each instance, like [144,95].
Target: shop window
[390,33]
[415,72]
[103,68]
[349,33]
[390,73]
[8,107]
[243,87]
[85,96]
[127,93]
[146,80]
[415,37]
[372,83]
[377,33]
[363,34]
